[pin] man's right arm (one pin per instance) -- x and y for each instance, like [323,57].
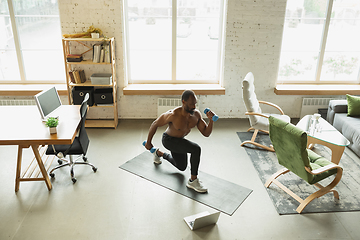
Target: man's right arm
[162,120]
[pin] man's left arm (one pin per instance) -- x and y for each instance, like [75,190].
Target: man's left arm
[206,129]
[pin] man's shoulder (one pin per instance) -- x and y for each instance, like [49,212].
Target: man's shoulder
[197,113]
[172,112]
[176,110]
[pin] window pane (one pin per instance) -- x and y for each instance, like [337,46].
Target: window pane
[297,66]
[197,65]
[303,27]
[197,40]
[39,32]
[40,42]
[149,39]
[44,65]
[342,52]
[9,69]
[38,28]
[150,65]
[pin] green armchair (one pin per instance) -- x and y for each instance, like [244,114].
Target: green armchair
[290,144]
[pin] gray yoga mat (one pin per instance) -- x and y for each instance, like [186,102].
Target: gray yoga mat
[222,195]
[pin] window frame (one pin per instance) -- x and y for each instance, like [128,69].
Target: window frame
[220,52]
[18,51]
[319,65]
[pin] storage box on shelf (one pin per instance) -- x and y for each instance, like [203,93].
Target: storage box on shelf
[101,78]
[98,81]
[103,96]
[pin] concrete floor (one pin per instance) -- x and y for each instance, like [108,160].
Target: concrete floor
[115,204]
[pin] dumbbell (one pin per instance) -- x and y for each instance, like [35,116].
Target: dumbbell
[214,118]
[152,150]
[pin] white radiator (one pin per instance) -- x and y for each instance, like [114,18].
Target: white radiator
[166,104]
[20,102]
[311,105]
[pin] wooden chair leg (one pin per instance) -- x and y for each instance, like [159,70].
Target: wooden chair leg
[322,191]
[264,131]
[304,203]
[276,175]
[252,141]
[250,129]
[336,194]
[319,193]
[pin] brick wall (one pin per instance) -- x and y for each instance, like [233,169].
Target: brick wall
[253,42]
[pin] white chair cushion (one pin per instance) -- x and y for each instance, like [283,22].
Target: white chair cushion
[250,99]
[263,123]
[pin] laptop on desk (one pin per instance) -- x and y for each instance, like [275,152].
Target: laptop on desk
[47,102]
[201,220]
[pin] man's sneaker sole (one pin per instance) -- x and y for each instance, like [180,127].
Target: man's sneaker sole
[197,190]
[157,162]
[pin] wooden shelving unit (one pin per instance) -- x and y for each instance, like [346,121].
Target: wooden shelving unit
[97,123]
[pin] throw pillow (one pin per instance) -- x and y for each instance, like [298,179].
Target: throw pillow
[353,105]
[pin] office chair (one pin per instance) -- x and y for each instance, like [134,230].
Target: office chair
[290,144]
[258,120]
[78,147]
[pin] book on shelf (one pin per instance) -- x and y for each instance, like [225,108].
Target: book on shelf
[107,58]
[72,78]
[77,76]
[74,57]
[82,76]
[96,53]
[102,55]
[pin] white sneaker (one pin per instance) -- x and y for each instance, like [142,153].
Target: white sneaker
[156,157]
[196,185]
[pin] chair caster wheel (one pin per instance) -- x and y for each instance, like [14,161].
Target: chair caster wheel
[94,169]
[52,175]
[60,162]
[74,180]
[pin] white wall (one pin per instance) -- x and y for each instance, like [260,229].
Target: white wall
[253,42]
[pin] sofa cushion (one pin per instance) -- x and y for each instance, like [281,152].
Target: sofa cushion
[350,128]
[353,105]
[336,106]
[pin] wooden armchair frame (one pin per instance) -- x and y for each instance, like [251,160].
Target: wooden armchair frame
[252,141]
[317,194]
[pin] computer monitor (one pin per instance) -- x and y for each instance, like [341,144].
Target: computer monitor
[47,101]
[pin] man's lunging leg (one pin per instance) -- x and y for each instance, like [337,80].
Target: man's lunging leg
[179,148]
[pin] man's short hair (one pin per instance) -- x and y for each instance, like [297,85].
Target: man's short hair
[186,94]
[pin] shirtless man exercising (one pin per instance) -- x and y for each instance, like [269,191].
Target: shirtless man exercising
[180,121]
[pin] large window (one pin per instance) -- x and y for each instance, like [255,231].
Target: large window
[30,42]
[321,42]
[173,41]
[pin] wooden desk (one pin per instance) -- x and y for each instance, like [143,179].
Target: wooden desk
[22,126]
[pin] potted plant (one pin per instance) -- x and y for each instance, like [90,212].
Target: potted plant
[95,32]
[52,124]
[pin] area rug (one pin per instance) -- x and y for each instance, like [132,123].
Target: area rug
[266,164]
[222,195]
